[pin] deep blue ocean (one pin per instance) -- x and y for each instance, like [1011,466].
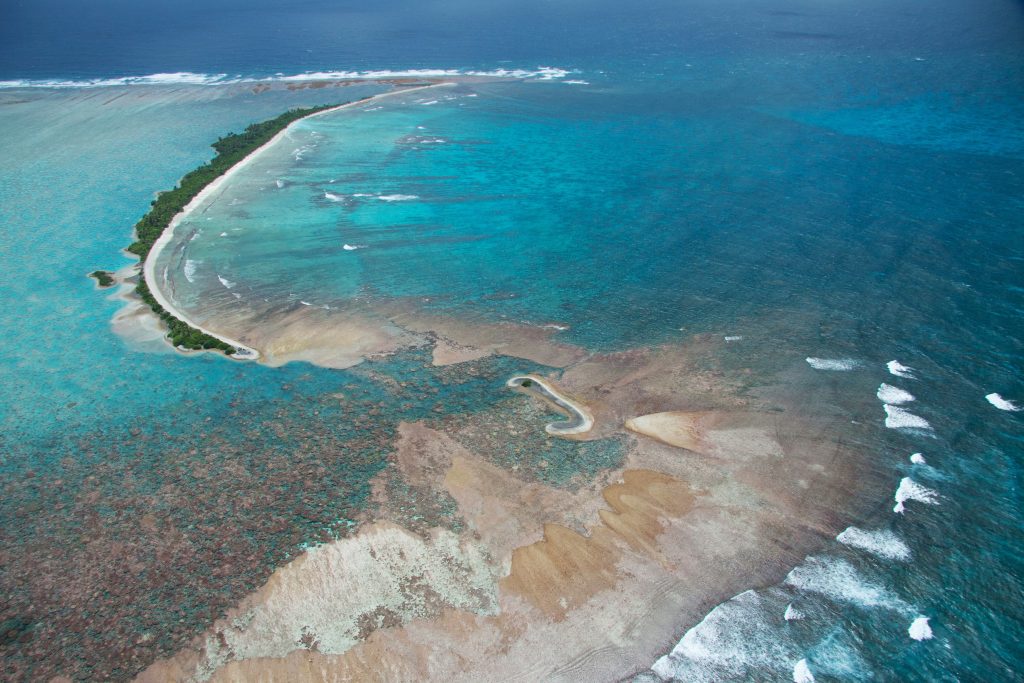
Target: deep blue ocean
[828,180]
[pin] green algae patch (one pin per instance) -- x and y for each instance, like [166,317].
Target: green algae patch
[513,431]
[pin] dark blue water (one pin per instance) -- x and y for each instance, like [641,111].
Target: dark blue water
[842,180]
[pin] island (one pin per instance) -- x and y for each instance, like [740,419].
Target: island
[154,230]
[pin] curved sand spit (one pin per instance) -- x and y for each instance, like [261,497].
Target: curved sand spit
[580,420]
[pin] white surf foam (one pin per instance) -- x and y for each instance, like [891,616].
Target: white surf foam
[839,581]
[734,338]
[227,283]
[917,459]
[920,630]
[792,613]
[900,418]
[351,247]
[900,370]
[397,197]
[882,543]
[734,639]
[801,673]
[279,183]
[305,303]
[575,82]
[887,393]
[190,270]
[1001,403]
[834,364]
[334,197]
[911,490]
[540,73]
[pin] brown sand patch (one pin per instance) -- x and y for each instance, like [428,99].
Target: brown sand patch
[565,569]
[328,338]
[519,341]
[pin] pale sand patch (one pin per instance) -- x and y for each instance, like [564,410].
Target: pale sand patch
[336,594]
[447,352]
[711,433]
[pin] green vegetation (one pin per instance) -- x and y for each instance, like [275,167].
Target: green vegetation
[103,277]
[526,383]
[230,150]
[180,333]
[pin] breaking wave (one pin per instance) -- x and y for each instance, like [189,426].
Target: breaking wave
[540,73]
[900,418]
[837,580]
[887,393]
[882,543]
[900,370]
[1001,403]
[911,490]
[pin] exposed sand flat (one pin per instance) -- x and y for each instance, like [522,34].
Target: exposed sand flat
[447,352]
[712,433]
[528,342]
[328,338]
[587,584]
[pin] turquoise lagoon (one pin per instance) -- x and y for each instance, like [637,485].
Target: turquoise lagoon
[812,202]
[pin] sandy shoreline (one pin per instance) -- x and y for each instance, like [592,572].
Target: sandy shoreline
[149,265]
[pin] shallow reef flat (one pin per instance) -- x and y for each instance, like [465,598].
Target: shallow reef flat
[480,565]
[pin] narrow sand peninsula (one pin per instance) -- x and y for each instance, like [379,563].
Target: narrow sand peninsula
[149,266]
[522,580]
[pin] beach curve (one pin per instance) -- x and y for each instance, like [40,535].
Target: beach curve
[243,351]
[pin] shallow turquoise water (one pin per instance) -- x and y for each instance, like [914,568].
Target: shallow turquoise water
[839,189]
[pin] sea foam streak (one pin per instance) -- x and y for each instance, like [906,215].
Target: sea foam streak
[351,247]
[920,630]
[333,197]
[900,370]
[887,393]
[397,197]
[227,283]
[189,270]
[835,364]
[882,543]
[1001,403]
[911,490]
[899,418]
